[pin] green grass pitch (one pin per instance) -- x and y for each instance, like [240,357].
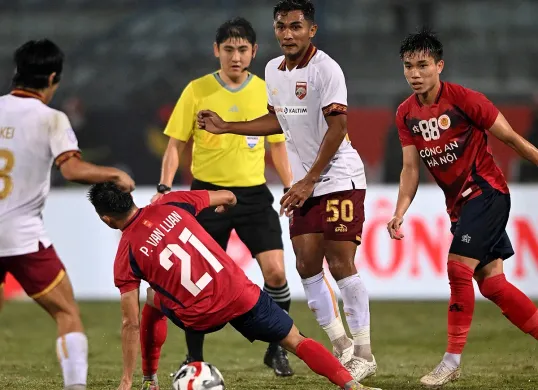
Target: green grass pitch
[408,339]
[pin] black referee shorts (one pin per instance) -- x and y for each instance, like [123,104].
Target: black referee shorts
[254,219]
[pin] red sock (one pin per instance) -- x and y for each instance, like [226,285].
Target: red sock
[153,330]
[322,362]
[461,307]
[515,305]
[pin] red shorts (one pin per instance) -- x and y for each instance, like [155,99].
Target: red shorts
[339,216]
[37,273]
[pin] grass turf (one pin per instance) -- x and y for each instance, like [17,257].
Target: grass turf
[408,340]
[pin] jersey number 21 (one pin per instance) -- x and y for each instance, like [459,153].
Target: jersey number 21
[174,249]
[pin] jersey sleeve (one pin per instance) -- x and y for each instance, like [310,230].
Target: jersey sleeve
[333,89]
[477,107]
[275,138]
[181,123]
[125,278]
[192,201]
[62,139]
[404,134]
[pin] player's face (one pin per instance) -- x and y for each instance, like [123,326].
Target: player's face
[235,55]
[293,33]
[421,71]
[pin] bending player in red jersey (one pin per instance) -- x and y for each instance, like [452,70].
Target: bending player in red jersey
[445,124]
[192,281]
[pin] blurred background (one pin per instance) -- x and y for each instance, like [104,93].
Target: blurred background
[129,60]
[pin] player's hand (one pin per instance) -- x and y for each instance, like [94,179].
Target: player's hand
[393,228]
[210,121]
[125,384]
[156,197]
[124,182]
[225,207]
[296,196]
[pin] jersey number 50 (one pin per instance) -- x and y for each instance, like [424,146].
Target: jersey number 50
[5,171]
[174,249]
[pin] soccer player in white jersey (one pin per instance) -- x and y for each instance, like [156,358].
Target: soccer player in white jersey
[307,99]
[33,136]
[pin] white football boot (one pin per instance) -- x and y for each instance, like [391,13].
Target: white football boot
[440,376]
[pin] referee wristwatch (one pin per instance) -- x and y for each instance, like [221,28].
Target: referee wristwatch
[162,188]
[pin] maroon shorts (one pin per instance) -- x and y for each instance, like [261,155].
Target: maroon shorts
[37,272]
[339,216]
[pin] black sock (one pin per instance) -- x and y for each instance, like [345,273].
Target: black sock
[281,295]
[195,345]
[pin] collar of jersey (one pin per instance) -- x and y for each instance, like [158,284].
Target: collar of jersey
[226,87]
[437,98]
[133,218]
[23,93]
[308,55]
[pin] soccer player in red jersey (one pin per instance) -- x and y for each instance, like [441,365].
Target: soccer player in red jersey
[192,279]
[447,125]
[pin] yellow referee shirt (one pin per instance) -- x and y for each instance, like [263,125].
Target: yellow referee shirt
[226,160]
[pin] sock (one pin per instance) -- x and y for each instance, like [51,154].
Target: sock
[322,362]
[452,360]
[515,305]
[153,331]
[195,345]
[357,311]
[72,350]
[281,295]
[461,306]
[322,301]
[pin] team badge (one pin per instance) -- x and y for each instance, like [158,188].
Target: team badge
[300,89]
[444,122]
[252,141]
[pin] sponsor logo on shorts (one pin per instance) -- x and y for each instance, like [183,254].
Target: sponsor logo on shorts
[466,238]
[340,228]
[291,110]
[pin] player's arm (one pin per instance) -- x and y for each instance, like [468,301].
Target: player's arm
[281,162]
[196,201]
[170,162]
[74,169]
[130,335]
[264,125]
[502,130]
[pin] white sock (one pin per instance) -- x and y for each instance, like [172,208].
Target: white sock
[72,350]
[322,301]
[453,360]
[357,311]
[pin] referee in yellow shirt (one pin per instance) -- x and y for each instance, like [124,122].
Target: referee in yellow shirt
[235,163]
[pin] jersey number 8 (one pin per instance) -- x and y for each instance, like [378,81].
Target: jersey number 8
[5,171]
[174,249]
[429,129]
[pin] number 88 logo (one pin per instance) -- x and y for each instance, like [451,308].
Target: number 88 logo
[430,128]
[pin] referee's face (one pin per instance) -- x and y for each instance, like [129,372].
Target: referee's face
[235,56]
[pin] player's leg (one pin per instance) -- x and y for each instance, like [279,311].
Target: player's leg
[514,304]
[262,234]
[153,331]
[43,278]
[266,321]
[343,216]
[479,229]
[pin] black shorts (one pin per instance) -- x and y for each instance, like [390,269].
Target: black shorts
[480,232]
[254,219]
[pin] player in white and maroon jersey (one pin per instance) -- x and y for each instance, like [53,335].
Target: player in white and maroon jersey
[33,138]
[307,99]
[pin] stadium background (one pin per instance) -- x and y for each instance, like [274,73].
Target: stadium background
[128,61]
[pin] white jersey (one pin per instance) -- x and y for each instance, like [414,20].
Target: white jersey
[32,136]
[301,99]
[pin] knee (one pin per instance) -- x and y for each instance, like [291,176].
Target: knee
[306,269]
[341,268]
[457,270]
[275,275]
[491,288]
[68,319]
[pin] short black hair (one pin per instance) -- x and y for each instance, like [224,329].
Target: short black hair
[108,199]
[426,41]
[35,61]
[236,28]
[306,6]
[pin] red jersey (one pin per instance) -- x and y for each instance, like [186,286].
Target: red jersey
[450,136]
[191,274]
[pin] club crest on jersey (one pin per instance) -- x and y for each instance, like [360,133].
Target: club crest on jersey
[300,89]
[444,122]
